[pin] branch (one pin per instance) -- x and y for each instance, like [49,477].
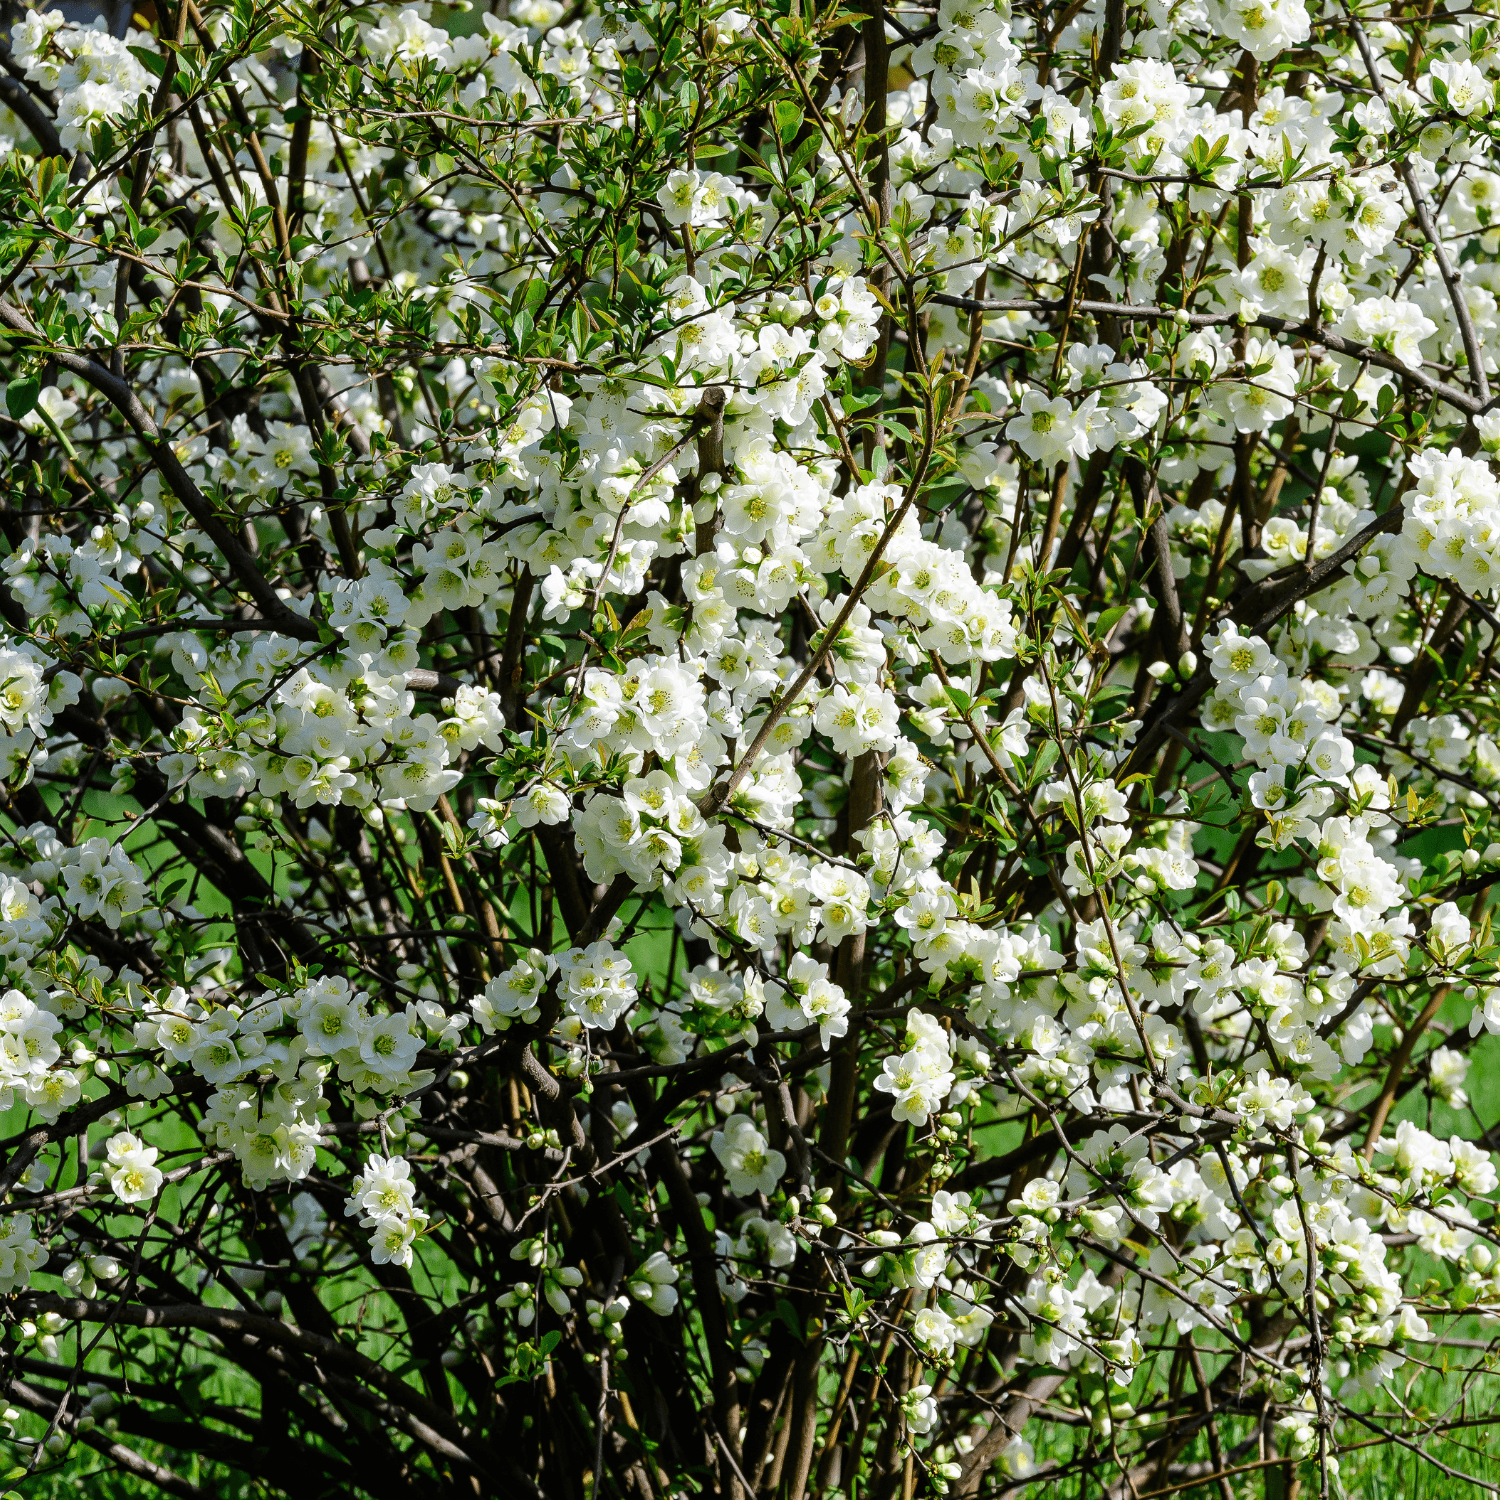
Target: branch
[1423,215]
[125,1458]
[427,1422]
[1314,333]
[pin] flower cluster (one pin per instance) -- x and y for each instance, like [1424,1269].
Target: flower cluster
[383,1198]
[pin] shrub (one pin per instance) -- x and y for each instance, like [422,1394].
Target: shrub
[747,751]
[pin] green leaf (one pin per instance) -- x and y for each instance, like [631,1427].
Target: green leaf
[1107,621]
[788,119]
[788,1315]
[803,154]
[1046,758]
[21,396]
[153,62]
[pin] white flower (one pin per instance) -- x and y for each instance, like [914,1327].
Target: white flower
[391,1241]
[920,1410]
[750,1165]
[857,719]
[132,1176]
[21,1253]
[807,998]
[597,984]
[383,1197]
[388,1046]
[542,803]
[383,1190]
[1046,430]
[654,1283]
[920,1078]
[1448,1070]
[1397,328]
[103,882]
[936,1333]
[1017,1458]
[1236,659]
[517,991]
[1263,27]
[1464,86]
[1449,933]
[1263,392]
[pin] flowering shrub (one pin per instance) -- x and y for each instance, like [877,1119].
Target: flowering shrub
[747,750]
